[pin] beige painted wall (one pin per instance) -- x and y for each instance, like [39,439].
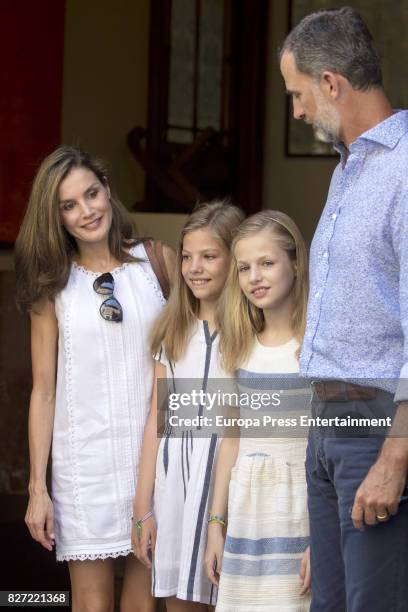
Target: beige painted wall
[105,83]
[162,226]
[296,185]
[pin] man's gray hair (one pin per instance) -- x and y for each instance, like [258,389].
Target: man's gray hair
[337,40]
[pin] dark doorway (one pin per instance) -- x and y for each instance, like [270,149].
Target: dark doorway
[206,104]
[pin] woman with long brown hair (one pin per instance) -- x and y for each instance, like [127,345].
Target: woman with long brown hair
[92,297]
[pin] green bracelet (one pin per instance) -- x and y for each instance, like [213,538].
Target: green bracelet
[215,518]
[138,523]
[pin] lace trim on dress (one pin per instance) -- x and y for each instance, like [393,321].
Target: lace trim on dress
[96,274]
[150,277]
[93,556]
[123,266]
[70,409]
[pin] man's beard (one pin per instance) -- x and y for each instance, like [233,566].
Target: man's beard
[326,125]
[325,132]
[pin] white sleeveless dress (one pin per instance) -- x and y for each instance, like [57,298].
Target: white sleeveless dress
[104,385]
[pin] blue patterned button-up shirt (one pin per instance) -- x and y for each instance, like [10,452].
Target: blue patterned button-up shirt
[357,324]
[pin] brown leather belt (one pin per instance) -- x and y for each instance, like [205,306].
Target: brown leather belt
[339,391]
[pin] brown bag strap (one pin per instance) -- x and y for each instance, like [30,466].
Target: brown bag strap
[154,250]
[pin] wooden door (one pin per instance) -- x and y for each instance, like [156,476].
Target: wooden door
[206,95]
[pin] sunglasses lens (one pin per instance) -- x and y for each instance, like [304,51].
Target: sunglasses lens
[111,310]
[104,284]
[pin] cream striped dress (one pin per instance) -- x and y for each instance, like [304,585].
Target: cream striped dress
[268,528]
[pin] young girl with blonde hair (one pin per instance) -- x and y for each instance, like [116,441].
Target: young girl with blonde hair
[263,314]
[175,477]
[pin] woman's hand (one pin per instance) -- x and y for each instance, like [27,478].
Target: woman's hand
[304,574]
[214,553]
[144,543]
[39,519]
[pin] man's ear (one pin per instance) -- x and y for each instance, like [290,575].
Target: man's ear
[330,84]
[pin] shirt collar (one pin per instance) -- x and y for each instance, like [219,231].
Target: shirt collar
[390,131]
[387,133]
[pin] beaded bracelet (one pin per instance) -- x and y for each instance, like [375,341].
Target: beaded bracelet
[138,523]
[214,518]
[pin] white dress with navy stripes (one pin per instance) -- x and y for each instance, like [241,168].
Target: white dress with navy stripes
[184,478]
[268,528]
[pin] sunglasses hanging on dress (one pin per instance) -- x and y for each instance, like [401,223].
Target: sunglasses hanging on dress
[110,309]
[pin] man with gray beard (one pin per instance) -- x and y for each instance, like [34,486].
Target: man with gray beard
[356,343]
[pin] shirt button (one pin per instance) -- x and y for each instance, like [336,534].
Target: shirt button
[334,216]
[325,254]
[317,294]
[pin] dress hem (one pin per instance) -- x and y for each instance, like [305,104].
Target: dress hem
[93,556]
[183,596]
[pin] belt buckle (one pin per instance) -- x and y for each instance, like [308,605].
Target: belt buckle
[319,389]
[325,394]
[313,384]
[341,393]
[338,391]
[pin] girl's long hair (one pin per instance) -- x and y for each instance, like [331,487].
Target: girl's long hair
[44,249]
[239,320]
[174,326]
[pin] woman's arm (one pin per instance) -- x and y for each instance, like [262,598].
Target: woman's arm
[226,459]
[145,484]
[44,334]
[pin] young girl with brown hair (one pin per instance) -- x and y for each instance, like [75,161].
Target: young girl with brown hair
[175,477]
[263,311]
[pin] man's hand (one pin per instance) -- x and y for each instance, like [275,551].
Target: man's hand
[379,494]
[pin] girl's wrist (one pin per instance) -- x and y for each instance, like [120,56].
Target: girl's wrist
[217,519]
[141,518]
[138,522]
[214,527]
[140,509]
